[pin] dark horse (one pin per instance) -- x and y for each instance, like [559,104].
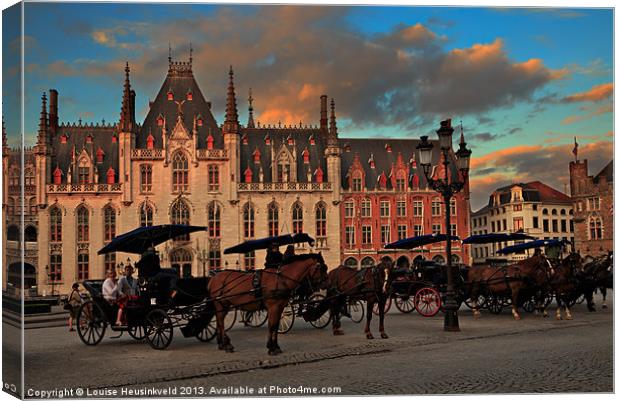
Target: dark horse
[271,288]
[526,277]
[566,284]
[370,284]
[596,274]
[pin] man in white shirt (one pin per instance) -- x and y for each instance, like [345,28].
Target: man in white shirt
[111,293]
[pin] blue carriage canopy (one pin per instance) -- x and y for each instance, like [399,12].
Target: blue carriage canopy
[264,243]
[533,244]
[496,237]
[420,240]
[142,238]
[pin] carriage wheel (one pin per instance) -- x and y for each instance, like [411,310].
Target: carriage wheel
[137,332]
[287,319]
[230,319]
[427,301]
[208,333]
[405,303]
[91,323]
[495,305]
[356,310]
[580,299]
[529,305]
[481,302]
[548,299]
[159,329]
[325,318]
[388,305]
[256,318]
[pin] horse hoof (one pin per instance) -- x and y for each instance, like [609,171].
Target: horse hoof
[558,317]
[369,336]
[517,318]
[476,315]
[569,318]
[383,335]
[338,332]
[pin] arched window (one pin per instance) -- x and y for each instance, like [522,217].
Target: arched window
[83,171]
[452,207]
[214,177]
[146,215]
[554,212]
[356,181]
[366,208]
[55,225]
[12,233]
[436,207]
[30,234]
[180,173]
[82,224]
[179,214]
[272,219]
[213,216]
[32,206]
[596,228]
[351,262]
[298,218]
[109,223]
[14,178]
[456,260]
[283,169]
[368,262]
[545,211]
[181,260]
[321,220]
[401,179]
[109,261]
[29,178]
[248,220]
[439,259]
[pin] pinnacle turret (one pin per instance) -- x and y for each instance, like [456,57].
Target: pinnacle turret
[232,118]
[250,110]
[127,121]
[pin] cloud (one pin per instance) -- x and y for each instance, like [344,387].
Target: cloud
[596,68]
[403,78]
[525,163]
[607,108]
[595,94]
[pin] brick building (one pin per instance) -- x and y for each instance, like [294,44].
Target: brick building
[94,181]
[593,202]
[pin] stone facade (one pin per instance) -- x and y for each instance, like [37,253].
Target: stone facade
[593,202]
[94,181]
[533,208]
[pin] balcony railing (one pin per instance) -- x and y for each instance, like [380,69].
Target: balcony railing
[211,154]
[147,154]
[285,186]
[84,188]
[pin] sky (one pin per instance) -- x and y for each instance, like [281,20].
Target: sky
[524,82]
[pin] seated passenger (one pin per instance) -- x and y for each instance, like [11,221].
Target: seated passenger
[127,285]
[274,257]
[111,293]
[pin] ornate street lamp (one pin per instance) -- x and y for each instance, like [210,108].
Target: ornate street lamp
[447,188]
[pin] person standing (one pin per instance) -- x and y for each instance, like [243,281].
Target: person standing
[74,301]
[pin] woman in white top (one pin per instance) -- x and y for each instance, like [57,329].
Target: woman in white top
[111,293]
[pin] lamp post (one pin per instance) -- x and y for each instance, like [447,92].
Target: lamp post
[447,188]
[51,279]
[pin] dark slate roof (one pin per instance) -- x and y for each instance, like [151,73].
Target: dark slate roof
[278,137]
[365,147]
[180,81]
[534,191]
[607,172]
[76,137]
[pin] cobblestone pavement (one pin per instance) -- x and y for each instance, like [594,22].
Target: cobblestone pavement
[490,354]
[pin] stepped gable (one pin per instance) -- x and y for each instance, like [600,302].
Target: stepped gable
[76,135]
[607,172]
[180,82]
[384,159]
[256,139]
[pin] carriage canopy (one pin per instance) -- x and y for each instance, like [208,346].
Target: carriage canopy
[420,240]
[264,243]
[496,237]
[533,244]
[142,238]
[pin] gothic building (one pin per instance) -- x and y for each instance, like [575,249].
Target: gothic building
[593,202]
[242,181]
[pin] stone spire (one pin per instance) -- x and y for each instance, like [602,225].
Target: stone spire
[232,118]
[127,122]
[42,140]
[250,110]
[5,143]
[462,141]
[332,139]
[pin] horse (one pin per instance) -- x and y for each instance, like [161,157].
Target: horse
[565,283]
[526,277]
[370,284]
[597,273]
[269,288]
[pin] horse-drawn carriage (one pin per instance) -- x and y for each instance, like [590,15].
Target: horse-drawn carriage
[153,314]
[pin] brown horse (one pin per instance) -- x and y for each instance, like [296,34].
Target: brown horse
[370,284]
[564,282]
[271,288]
[526,276]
